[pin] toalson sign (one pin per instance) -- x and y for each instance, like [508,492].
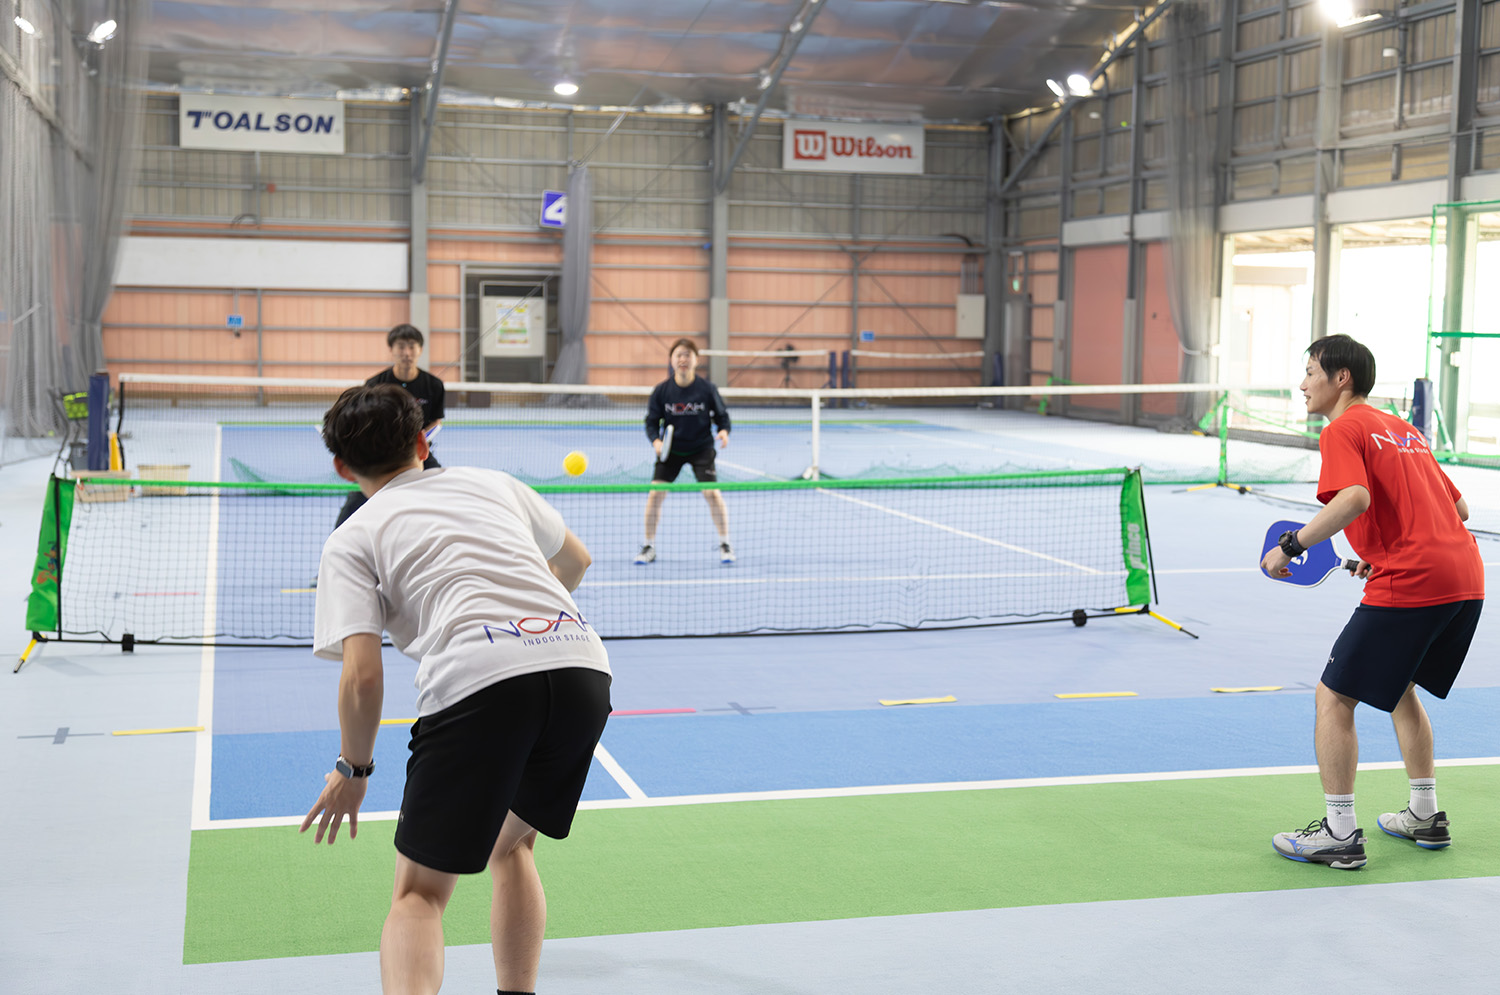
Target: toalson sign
[260,124]
[835,147]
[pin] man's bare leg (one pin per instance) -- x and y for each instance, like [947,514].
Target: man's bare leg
[518,911]
[1414,733]
[719,511]
[411,944]
[1336,741]
[653,513]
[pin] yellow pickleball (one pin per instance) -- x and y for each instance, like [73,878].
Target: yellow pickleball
[575,463]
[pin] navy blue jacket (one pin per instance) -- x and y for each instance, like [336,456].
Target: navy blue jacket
[692,411]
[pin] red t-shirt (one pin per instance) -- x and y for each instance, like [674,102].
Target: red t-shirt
[1411,533]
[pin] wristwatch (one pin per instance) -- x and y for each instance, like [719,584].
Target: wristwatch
[1289,544]
[350,770]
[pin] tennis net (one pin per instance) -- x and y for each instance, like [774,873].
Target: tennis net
[125,560]
[250,430]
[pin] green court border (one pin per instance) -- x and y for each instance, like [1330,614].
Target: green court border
[261,893]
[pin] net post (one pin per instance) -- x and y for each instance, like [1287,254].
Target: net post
[99,421]
[1224,439]
[817,414]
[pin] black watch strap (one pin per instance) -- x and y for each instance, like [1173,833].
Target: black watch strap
[1289,544]
[350,770]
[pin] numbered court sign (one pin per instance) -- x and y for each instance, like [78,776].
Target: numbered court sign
[554,209]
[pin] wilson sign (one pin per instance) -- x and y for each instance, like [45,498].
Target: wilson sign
[835,147]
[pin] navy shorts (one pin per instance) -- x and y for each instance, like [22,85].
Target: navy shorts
[702,462]
[523,745]
[1382,650]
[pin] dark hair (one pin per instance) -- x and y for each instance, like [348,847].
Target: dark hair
[1340,352]
[373,430]
[404,333]
[683,343]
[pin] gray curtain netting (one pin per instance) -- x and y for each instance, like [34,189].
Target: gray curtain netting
[70,113]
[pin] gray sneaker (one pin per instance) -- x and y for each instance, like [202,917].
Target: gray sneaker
[726,552]
[1429,834]
[646,555]
[1317,845]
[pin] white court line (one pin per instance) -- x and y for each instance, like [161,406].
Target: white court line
[203,759]
[800,794]
[624,780]
[958,532]
[967,445]
[861,579]
[928,522]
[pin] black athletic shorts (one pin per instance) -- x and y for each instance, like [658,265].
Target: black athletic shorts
[1382,650]
[701,461]
[523,745]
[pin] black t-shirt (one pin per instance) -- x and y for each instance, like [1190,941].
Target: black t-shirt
[690,410]
[426,388]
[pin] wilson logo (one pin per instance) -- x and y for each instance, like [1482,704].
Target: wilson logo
[809,144]
[817,145]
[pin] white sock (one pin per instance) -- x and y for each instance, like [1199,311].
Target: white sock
[1341,821]
[1423,797]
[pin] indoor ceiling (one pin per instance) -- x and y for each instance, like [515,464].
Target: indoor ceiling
[935,60]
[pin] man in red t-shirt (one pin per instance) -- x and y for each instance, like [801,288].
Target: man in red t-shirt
[1423,593]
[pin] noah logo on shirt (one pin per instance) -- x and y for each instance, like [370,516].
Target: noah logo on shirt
[1406,443]
[525,628]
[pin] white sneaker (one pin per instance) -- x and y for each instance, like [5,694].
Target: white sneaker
[1430,833]
[646,555]
[1317,845]
[726,552]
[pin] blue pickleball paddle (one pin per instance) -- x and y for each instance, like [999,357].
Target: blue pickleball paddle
[1312,567]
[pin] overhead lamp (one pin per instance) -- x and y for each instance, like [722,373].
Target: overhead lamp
[1056,88]
[565,88]
[25,25]
[1344,14]
[764,82]
[1079,85]
[103,32]
[795,26]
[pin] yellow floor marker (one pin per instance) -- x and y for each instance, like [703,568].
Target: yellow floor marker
[155,732]
[916,701]
[1098,694]
[1268,687]
[397,722]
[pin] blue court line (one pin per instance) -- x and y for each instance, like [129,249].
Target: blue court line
[279,774]
[258,775]
[715,754]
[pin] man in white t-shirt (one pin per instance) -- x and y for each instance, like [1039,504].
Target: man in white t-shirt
[471,573]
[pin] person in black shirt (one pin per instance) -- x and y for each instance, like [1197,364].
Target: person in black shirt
[406,344]
[693,408]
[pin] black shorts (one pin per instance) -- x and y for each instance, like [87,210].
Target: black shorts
[702,462]
[523,745]
[1382,650]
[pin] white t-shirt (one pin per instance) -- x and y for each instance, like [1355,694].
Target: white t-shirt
[453,564]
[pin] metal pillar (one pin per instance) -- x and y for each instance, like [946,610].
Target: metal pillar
[420,304]
[1326,240]
[718,251]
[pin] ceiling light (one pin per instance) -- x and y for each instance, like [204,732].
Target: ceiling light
[565,89]
[1079,84]
[1056,88]
[765,80]
[103,32]
[1343,13]
[25,25]
[795,26]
